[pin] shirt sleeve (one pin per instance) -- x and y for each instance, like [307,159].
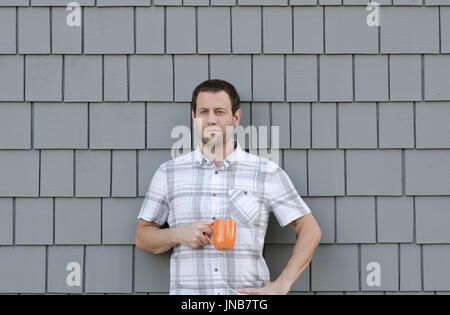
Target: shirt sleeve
[284,200]
[155,207]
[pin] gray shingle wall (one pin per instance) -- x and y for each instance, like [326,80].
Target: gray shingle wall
[86,115]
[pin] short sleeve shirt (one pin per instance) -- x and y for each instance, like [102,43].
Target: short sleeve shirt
[246,188]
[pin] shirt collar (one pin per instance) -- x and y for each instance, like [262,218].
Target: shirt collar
[232,158]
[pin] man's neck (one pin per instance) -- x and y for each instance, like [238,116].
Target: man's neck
[210,154]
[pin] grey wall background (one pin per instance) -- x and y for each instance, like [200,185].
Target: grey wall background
[86,114]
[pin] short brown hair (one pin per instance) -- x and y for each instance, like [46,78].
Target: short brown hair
[216,85]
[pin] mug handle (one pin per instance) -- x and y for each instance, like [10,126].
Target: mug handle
[212,226]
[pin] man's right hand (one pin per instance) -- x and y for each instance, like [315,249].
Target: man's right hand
[192,235]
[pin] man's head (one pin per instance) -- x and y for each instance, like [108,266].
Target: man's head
[215,109]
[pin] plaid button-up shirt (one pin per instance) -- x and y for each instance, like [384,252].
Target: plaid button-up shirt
[246,188]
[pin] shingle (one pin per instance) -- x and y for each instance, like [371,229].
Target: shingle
[47,3]
[213,30]
[59,258]
[84,217]
[280,119]
[395,218]
[149,33]
[246,30]
[83,78]
[301,78]
[161,119]
[92,173]
[405,78]
[324,125]
[371,78]
[374,172]
[355,219]
[432,127]
[432,216]
[6,221]
[427,172]
[22,269]
[43,78]
[357,125]
[115,78]
[300,126]
[445,29]
[117,125]
[34,30]
[124,173]
[277,30]
[66,39]
[326,172]
[180,38]
[19,173]
[336,78]
[7,30]
[190,70]
[436,259]
[151,78]
[268,78]
[410,269]
[335,268]
[308,29]
[346,31]
[60,125]
[295,167]
[57,173]
[109,269]
[437,76]
[108,30]
[396,125]
[15,125]
[399,35]
[236,70]
[119,220]
[261,120]
[11,78]
[145,279]
[34,221]
[386,256]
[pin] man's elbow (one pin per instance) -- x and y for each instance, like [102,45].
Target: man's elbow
[142,246]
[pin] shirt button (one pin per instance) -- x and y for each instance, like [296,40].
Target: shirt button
[245,192]
[215,269]
[214,194]
[216,172]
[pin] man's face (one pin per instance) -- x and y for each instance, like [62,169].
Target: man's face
[213,115]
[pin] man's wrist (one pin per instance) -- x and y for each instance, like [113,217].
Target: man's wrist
[285,283]
[176,235]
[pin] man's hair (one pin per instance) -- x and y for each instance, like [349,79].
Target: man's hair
[216,85]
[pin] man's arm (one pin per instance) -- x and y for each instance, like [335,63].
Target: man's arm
[309,235]
[152,238]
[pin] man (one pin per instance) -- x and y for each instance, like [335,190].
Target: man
[192,190]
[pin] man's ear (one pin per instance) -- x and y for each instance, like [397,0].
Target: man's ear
[237,117]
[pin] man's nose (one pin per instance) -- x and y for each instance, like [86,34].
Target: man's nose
[211,119]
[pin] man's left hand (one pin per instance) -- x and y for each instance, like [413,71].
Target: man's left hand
[272,288]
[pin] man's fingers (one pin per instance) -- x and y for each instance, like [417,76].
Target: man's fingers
[205,227]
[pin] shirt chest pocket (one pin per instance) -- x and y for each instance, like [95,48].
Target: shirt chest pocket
[245,205]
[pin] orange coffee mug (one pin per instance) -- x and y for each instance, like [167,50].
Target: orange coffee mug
[224,234]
